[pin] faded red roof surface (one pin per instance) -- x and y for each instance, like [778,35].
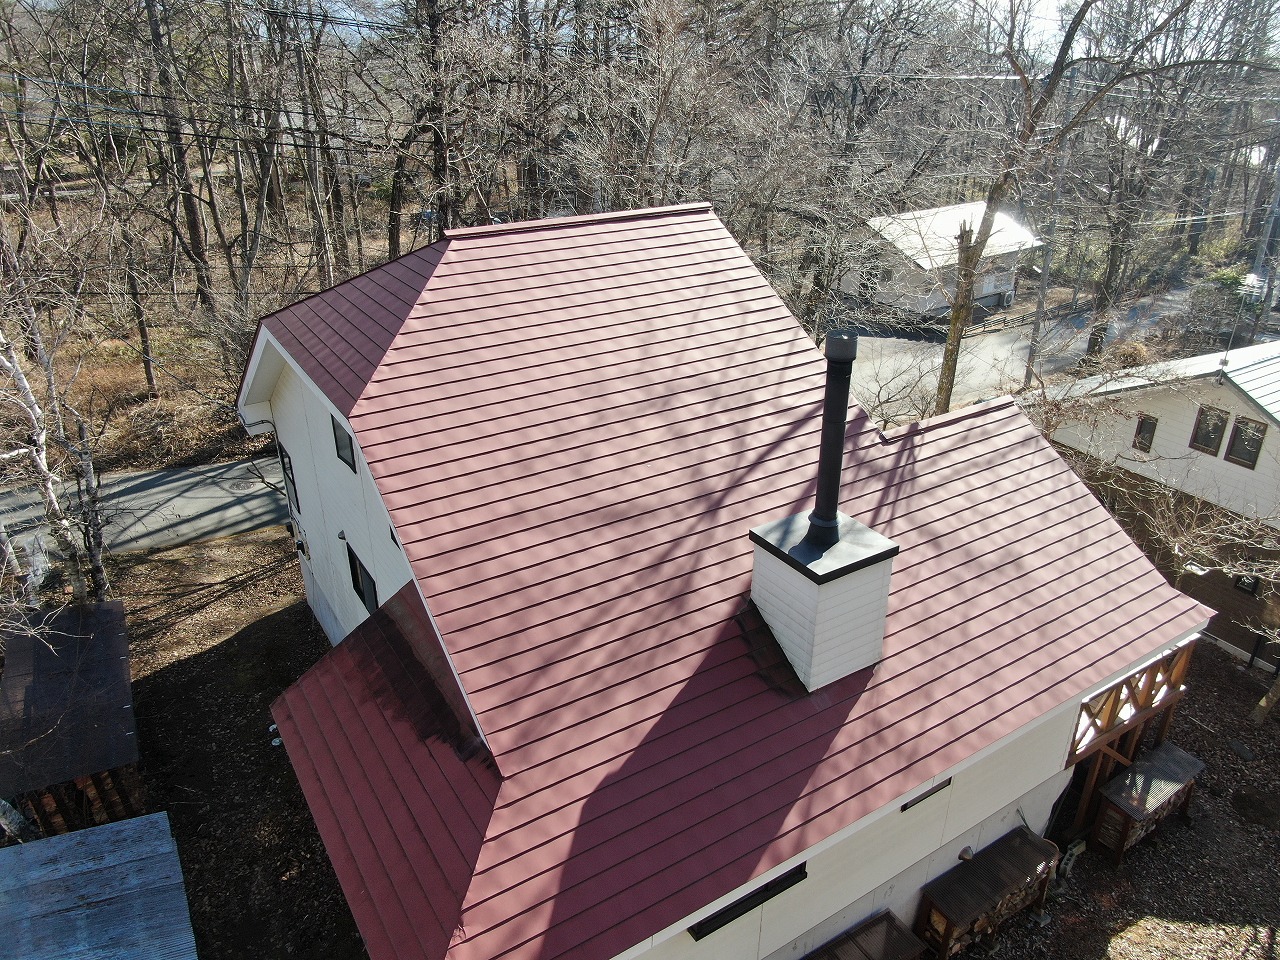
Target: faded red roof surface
[573,430]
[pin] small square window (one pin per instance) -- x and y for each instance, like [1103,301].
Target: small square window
[1145,434]
[290,485]
[1246,442]
[1247,583]
[362,581]
[1211,424]
[343,444]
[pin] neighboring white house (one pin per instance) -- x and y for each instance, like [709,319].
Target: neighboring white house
[590,700]
[1209,427]
[917,253]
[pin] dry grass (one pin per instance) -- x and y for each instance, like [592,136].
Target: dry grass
[191,422]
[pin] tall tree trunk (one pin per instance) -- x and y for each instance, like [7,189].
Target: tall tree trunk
[969,250]
[140,318]
[193,244]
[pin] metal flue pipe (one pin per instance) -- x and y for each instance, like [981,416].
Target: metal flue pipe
[841,351]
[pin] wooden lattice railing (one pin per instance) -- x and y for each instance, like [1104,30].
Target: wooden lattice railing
[1128,704]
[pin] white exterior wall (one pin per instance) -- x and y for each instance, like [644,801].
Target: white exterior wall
[888,856]
[927,291]
[1254,493]
[333,499]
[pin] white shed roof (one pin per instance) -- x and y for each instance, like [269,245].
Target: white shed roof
[929,237]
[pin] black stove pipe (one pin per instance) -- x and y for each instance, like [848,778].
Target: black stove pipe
[841,351]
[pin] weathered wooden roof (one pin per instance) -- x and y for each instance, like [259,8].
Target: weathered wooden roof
[66,709]
[113,891]
[574,430]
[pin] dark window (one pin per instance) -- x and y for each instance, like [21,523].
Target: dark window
[1248,583]
[1211,424]
[1246,442]
[1145,434]
[290,485]
[343,443]
[748,903]
[362,582]
[936,788]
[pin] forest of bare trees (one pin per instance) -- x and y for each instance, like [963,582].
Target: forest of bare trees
[173,169]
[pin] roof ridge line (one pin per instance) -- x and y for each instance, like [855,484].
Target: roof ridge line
[980,408]
[523,226]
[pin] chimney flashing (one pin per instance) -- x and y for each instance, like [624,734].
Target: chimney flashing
[858,547]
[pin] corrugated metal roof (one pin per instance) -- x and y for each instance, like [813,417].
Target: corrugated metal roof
[574,430]
[978,886]
[113,891]
[1254,370]
[930,238]
[1156,776]
[66,709]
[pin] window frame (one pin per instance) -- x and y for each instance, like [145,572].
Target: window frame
[290,482]
[344,445]
[1143,440]
[1235,434]
[1202,418]
[362,582]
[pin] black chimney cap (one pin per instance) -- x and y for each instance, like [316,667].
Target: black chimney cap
[841,345]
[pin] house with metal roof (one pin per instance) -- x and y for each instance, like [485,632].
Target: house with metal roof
[1207,427]
[915,256]
[638,651]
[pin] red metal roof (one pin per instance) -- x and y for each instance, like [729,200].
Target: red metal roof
[573,429]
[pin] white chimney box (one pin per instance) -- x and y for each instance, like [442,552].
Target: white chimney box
[825,605]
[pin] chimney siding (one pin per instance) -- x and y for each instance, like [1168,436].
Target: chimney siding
[827,630]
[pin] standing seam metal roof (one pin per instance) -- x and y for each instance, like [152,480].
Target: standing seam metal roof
[572,464]
[1254,370]
[929,238]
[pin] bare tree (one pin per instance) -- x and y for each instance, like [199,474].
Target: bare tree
[1035,132]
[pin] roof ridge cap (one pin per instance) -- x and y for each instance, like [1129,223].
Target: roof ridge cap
[524,226]
[980,408]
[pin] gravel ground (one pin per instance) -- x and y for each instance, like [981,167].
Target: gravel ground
[1207,888]
[218,629]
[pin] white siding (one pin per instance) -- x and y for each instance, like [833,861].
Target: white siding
[926,291]
[828,630]
[912,288]
[332,499]
[1171,461]
[890,854]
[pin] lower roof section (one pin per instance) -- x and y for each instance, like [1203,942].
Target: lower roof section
[400,790]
